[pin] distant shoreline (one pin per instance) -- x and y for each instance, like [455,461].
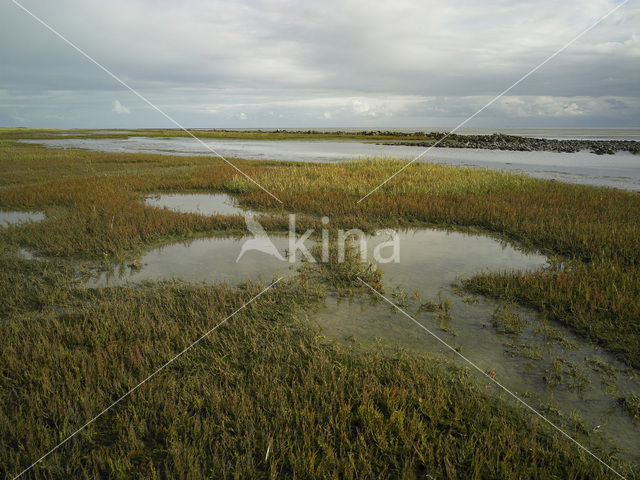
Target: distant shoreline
[493,141]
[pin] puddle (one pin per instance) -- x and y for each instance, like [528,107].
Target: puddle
[444,255]
[430,259]
[26,254]
[14,218]
[202,260]
[586,380]
[203,203]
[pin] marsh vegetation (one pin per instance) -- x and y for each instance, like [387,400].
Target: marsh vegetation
[270,380]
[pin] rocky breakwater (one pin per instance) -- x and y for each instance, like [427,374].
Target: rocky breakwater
[499,141]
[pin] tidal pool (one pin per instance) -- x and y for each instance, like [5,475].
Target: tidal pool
[203,203]
[432,258]
[13,217]
[546,364]
[214,259]
[620,170]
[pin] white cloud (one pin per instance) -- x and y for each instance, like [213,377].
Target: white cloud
[327,115]
[120,109]
[243,116]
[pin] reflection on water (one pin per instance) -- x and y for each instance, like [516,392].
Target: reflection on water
[202,260]
[14,218]
[444,255]
[620,170]
[431,258]
[203,203]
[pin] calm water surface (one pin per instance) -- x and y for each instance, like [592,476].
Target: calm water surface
[621,170]
[14,217]
[213,259]
[203,203]
[202,260]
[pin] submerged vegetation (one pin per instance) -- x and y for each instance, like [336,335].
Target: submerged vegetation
[266,395]
[504,320]
[631,405]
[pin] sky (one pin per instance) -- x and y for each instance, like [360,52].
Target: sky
[326,64]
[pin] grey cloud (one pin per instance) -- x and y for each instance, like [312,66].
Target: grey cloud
[405,62]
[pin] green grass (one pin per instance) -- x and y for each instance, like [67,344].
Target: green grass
[524,351]
[21,133]
[504,320]
[267,380]
[596,230]
[632,405]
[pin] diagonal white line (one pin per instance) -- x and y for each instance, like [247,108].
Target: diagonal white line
[155,372]
[525,76]
[140,96]
[488,376]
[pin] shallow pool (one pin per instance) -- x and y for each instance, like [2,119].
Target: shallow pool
[548,365]
[214,259]
[14,217]
[203,203]
[443,256]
